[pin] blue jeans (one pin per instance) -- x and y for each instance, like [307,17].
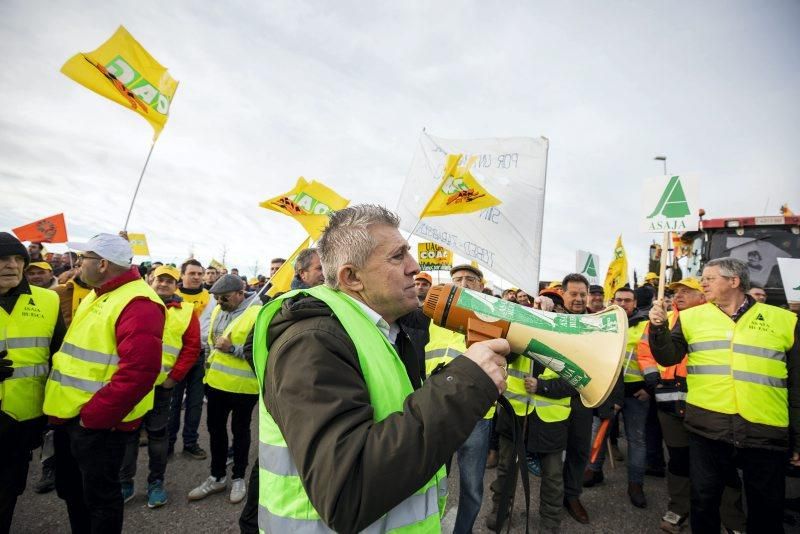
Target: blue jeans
[471,465]
[155,422]
[193,385]
[634,413]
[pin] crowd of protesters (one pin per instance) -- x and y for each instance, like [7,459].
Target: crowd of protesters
[99,356]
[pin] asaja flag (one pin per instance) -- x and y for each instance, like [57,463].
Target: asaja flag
[123,71]
[670,204]
[459,191]
[309,203]
[586,264]
[282,280]
[617,274]
[138,244]
[51,229]
[790,275]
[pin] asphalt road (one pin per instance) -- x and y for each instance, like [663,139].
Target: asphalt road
[609,508]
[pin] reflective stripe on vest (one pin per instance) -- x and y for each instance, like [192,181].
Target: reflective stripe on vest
[178,319]
[26,333]
[671,396]
[283,503]
[515,392]
[226,372]
[739,367]
[442,348]
[88,357]
[632,372]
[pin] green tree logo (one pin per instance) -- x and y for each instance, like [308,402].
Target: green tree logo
[672,203]
[590,268]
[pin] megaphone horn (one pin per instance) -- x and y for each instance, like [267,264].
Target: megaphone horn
[585,350]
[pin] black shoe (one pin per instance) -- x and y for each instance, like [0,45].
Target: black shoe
[591,478]
[195,451]
[576,510]
[47,482]
[636,493]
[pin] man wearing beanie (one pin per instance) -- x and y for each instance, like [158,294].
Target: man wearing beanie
[101,384]
[31,330]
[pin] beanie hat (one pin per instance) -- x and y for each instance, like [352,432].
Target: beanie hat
[11,246]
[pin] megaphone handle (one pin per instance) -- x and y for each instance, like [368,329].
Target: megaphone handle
[478,330]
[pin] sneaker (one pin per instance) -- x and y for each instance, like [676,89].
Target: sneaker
[672,522]
[238,490]
[47,482]
[209,486]
[127,491]
[195,451]
[534,465]
[156,494]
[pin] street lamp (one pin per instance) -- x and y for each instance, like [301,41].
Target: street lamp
[662,159]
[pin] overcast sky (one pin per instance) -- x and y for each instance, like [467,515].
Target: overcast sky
[339,92]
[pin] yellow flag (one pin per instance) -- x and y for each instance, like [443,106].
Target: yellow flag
[138,244]
[282,280]
[459,191]
[122,71]
[617,274]
[309,203]
[216,265]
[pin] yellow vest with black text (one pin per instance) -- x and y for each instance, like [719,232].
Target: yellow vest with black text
[739,367]
[444,345]
[26,335]
[632,372]
[88,357]
[226,372]
[178,319]
[283,505]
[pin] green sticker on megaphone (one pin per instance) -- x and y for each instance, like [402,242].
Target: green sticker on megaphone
[563,366]
[553,322]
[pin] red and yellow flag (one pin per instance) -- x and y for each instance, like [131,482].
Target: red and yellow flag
[51,229]
[459,191]
[123,71]
[309,203]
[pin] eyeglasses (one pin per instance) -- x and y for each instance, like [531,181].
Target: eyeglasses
[222,299]
[470,279]
[623,301]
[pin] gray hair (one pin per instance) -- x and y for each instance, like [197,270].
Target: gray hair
[347,238]
[303,261]
[730,267]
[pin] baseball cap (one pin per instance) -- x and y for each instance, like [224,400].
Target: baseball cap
[596,289]
[467,267]
[168,270]
[40,264]
[108,246]
[556,284]
[650,276]
[424,276]
[691,283]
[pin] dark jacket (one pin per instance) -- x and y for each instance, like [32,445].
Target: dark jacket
[548,437]
[353,469]
[669,347]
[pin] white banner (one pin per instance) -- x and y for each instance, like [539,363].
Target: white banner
[506,239]
[790,275]
[587,264]
[670,204]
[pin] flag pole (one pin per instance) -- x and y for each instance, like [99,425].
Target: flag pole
[138,184]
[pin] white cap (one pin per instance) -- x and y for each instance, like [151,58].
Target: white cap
[108,246]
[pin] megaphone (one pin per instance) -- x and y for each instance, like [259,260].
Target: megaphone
[585,350]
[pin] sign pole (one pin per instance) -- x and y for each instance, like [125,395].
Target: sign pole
[663,266]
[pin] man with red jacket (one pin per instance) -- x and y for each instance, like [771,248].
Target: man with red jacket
[181,349]
[101,382]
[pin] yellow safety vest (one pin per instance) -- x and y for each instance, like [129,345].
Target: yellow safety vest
[632,372]
[88,357]
[226,372]
[283,504]
[551,410]
[26,334]
[444,345]
[739,367]
[520,400]
[199,300]
[78,294]
[178,319]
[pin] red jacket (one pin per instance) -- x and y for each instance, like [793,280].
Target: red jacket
[191,345]
[139,330]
